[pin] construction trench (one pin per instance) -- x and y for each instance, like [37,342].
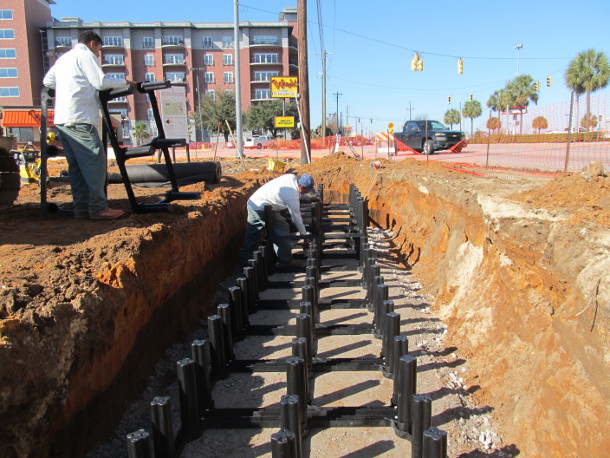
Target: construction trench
[512,316]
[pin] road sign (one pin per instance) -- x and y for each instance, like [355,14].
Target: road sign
[284,121]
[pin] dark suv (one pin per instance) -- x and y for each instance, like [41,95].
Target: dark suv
[429,136]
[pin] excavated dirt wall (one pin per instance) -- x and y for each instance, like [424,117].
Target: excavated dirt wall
[512,284]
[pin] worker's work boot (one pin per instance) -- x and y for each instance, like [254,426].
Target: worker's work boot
[107,213]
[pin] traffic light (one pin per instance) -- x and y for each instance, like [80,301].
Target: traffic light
[417,65]
[420,65]
[549,81]
[449,99]
[414,64]
[536,86]
[460,66]
[471,96]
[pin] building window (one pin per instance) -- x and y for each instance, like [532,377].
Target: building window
[7,34]
[8,53]
[23,134]
[208,42]
[264,58]
[175,77]
[265,76]
[208,59]
[228,77]
[264,40]
[174,59]
[227,59]
[227,42]
[150,115]
[262,94]
[8,73]
[149,77]
[173,40]
[65,42]
[9,92]
[6,14]
[211,93]
[113,41]
[114,59]
[148,43]
[149,60]
[116,75]
[209,77]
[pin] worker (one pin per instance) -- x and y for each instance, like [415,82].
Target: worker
[77,77]
[282,193]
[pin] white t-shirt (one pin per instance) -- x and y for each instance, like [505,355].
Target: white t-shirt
[280,193]
[76,78]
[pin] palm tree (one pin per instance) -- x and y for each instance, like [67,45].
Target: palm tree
[587,73]
[521,92]
[452,117]
[140,132]
[540,123]
[472,109]
[499,101]
[493,123]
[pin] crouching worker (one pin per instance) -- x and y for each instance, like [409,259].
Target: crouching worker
[282,193]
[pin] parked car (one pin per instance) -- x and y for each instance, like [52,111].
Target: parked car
[428,136]
[260,142]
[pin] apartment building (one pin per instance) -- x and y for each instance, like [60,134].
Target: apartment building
[196,55]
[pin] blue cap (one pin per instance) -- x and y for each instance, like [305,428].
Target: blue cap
[307,182]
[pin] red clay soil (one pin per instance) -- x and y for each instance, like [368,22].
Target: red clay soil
[518,264]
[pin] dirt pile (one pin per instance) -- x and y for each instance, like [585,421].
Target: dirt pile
[519,266]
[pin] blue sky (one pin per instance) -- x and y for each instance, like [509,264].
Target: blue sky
[371,46]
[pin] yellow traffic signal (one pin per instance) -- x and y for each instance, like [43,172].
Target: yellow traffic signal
[417,65]
[471,96]
[460,66]
[549,81]
[420,65]
[449,99]
[536,86]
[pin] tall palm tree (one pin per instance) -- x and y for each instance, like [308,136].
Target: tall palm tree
[521,91]
[587,73]
[499,101]
[452,117]
[472,109]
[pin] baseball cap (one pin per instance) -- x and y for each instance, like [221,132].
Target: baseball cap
[307,182]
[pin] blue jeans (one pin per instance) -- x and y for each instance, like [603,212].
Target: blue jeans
[87,167]
[277,234]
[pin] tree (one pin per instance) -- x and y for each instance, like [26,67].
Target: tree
[140,132]
[472,109]
[452,117]
[587,73]
[540,123]
[262,115]
[499,101]
[521,92]
[589,121]
[494,123]
[214,112]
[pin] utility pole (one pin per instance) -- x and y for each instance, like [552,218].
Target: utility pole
[238,126]
[338,124]
[303,81]
[196,70]
[324,94]
[410,111]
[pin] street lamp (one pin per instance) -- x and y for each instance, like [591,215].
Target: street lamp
[198,100]
[518,48]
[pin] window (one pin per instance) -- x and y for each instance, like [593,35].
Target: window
[113,41]
[149,77]
[149,60]
[8,73]
[173,40]
[208,59]
[265,76]
[7,34]
[65,42]
[227,42]
[228,77]
[266,58]
[9,92]
[209,77]
[208,42]
[150,114]
[120,99]
[262,94]
[227,59]
[7,53]
[23,134]
[175,77]
[148,43]
[116,75]
[120,111]
[114,59]
[174,59]
[6,14]
[264,40]
[211,93]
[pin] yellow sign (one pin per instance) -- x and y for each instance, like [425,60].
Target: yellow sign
[284,86]
[284,121]
[390,125]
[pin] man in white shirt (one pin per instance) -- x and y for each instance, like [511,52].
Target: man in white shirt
[282,193]
[77,77]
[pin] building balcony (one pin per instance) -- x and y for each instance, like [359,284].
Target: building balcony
[174,62]
[118,101]
[266,63]
[113,64]
[265,45]
[170,42]
[117,44]
[177,81]
[61,43]
[267,82]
